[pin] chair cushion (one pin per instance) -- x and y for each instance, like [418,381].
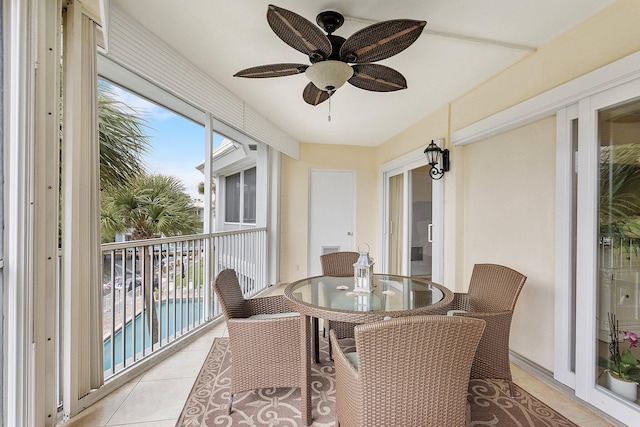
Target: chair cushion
[353,358]
[274,315]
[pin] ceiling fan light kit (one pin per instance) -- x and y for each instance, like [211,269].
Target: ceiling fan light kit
[330,55]
[329,75]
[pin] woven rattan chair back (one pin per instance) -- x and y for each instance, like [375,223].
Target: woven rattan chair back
[265,350]
[338,264]
[492,295]
[494,287]
[229,294]
[412,371]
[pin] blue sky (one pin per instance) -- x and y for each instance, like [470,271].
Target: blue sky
[176,143]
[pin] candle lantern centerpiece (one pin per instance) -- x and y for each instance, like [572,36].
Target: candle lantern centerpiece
[363,271]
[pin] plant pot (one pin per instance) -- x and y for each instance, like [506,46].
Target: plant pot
[626,389]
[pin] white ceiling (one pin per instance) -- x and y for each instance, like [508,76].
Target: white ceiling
[222,37]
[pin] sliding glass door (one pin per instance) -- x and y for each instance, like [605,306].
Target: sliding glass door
[619,230]
[598,230]
[396,224]
[421,223]
[413,221]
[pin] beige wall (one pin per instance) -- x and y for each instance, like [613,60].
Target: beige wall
[509,219]
[435,126]
[500,193]
[606,37]
[295,200]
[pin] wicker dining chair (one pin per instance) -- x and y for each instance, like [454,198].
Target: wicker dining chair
[264,338]
[407,371]
[339,264]
[492,295]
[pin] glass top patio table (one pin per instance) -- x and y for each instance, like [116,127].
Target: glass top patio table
[333,298]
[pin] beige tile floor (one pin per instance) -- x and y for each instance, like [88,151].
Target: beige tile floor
[155,398]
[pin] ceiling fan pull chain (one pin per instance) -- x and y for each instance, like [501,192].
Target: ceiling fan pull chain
[329,118]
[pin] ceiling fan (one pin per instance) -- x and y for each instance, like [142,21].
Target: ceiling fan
[330,55]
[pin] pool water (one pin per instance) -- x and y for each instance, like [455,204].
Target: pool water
[186,313]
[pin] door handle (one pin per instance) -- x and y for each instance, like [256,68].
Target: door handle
[430,233]
[349,233]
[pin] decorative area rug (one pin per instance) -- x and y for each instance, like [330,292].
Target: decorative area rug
[488,401]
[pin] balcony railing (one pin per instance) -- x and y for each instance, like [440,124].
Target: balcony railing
[156,291]
[619,291]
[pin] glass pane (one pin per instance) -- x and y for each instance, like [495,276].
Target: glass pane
[619,233]
[149,159]
[396,190]
[232,198]
[421,223]
[150,170]
[250,196]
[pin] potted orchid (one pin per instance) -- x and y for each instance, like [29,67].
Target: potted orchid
[624,368]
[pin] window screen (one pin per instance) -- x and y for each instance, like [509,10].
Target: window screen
[232,198]
[249,215]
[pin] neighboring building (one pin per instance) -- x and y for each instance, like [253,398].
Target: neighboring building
[240,198]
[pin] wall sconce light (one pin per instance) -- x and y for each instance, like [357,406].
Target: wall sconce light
[436,155]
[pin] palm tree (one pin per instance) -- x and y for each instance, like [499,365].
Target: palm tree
[213,191]
[619,195]
[122,139]
[148,206]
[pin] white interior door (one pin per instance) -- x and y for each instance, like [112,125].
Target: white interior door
[331,214]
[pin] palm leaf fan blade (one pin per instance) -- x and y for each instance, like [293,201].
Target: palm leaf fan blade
[272,70]
[314,96]
[377,78]
[380,41]
[298,32]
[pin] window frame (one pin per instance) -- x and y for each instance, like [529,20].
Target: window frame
[242,222]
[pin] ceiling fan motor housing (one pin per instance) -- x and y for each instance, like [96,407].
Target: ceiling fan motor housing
[330,20]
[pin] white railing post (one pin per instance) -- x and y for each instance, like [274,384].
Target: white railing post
[183,301]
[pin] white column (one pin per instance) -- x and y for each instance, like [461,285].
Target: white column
[46,153]
[31,111]
[82,343]
[273,218]
[18,282]
[208,216]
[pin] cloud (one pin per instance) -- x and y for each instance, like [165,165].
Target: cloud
[142,106]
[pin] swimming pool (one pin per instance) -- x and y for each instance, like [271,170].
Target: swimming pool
[188,314]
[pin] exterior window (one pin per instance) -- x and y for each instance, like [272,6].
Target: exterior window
[250,196]
[232,198]
[240,197]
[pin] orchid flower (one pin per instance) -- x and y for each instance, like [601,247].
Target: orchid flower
[624,363]
[632,338]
